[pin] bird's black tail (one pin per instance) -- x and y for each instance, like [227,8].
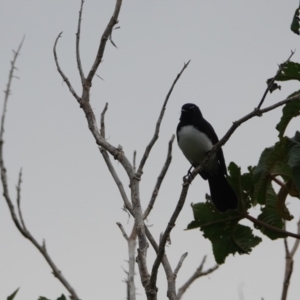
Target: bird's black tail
[222,194]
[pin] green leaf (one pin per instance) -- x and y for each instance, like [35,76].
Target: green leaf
[62,297]
[295,26]
[224,232]
[43,298]
[242,185]
[270,216]
[294,163]
[290,71]
[289,111]
[12,296]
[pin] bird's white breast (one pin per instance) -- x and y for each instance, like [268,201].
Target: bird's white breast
[194,144]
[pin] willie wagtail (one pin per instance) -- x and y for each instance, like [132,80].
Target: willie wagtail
[195,137]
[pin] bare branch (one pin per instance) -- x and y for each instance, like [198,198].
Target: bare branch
[102,123]
[289,263]
[21,224]
[266,225]
[160,179]
[123,231]
[198,273]
[171,294]
[77,45]
[273,80]
[296,244]
[134,160]
[64,77]
[164,239]
[131,263]
[117,180]
[180,263]
[157,127]
[19,200]
[105,36]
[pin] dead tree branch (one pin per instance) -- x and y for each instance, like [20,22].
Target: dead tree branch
[160,178]
[157,127]
[273,80]
[105,36]
[198,273]
[19,222]
[79,65]
[131,243]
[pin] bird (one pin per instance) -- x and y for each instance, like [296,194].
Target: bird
[196,137]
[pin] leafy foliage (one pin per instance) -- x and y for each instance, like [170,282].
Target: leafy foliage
[224,232]
[295,26]
[289,111]
[281,161]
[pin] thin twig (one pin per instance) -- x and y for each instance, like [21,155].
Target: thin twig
[65,78]
[198,273]
[157,127]
[102,122]
[160,178]
[164,239]
[134,160]
[273,80]
[123,231]
[268,226]
[289,263]
[19,200]
[78,43]
[20,224]
[171,293]
[117,180]
[179,265]
[105,36]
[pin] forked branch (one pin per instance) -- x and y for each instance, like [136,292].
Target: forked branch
[157,127]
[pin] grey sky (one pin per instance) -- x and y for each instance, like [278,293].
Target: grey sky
[68,195]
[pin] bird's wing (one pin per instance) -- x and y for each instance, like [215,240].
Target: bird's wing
[209,131]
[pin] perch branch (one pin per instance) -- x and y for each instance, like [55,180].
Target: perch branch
[157,127]
[160,178]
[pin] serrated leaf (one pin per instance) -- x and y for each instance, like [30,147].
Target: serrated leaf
[294,163]
[273,162]
[12,296]
[295,26]
[270,216]
[290,71]
[242,185]
[289,111]
[224,232]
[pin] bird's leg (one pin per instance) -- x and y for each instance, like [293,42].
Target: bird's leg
[188,175]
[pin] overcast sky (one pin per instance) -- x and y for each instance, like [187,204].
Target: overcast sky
[68,195]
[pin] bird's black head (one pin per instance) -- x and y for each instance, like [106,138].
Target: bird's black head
[190,111]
